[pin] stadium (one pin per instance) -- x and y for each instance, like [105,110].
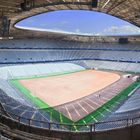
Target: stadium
[57,86]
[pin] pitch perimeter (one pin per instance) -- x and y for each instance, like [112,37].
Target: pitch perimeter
[65,112]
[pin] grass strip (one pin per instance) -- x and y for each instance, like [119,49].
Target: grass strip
[95,115]
[108,105]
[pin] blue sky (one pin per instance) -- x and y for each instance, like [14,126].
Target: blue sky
[79,22]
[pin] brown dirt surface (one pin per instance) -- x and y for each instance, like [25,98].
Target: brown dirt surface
[57,90]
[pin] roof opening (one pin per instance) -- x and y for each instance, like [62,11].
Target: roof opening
[80,22]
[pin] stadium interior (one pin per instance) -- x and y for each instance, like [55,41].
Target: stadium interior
[110,113]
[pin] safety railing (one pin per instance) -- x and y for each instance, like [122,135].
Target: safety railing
[94,127]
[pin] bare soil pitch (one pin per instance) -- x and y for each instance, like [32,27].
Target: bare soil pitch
[62,89]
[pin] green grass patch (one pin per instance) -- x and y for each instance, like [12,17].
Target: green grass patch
[95,115]
[48,75]
[108,105]
[38,102]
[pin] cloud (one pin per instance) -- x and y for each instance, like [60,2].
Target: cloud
[77,30]
[54,30]
[113,30]
[123,30]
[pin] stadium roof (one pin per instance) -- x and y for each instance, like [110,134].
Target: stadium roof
[13,11]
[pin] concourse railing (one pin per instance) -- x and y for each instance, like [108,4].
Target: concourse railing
[94,127]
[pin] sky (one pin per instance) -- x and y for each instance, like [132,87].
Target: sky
[79,22]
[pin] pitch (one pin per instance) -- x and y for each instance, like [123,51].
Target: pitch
[62,89]
[73,97]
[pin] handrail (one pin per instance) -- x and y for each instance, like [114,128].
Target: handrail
[92,127]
